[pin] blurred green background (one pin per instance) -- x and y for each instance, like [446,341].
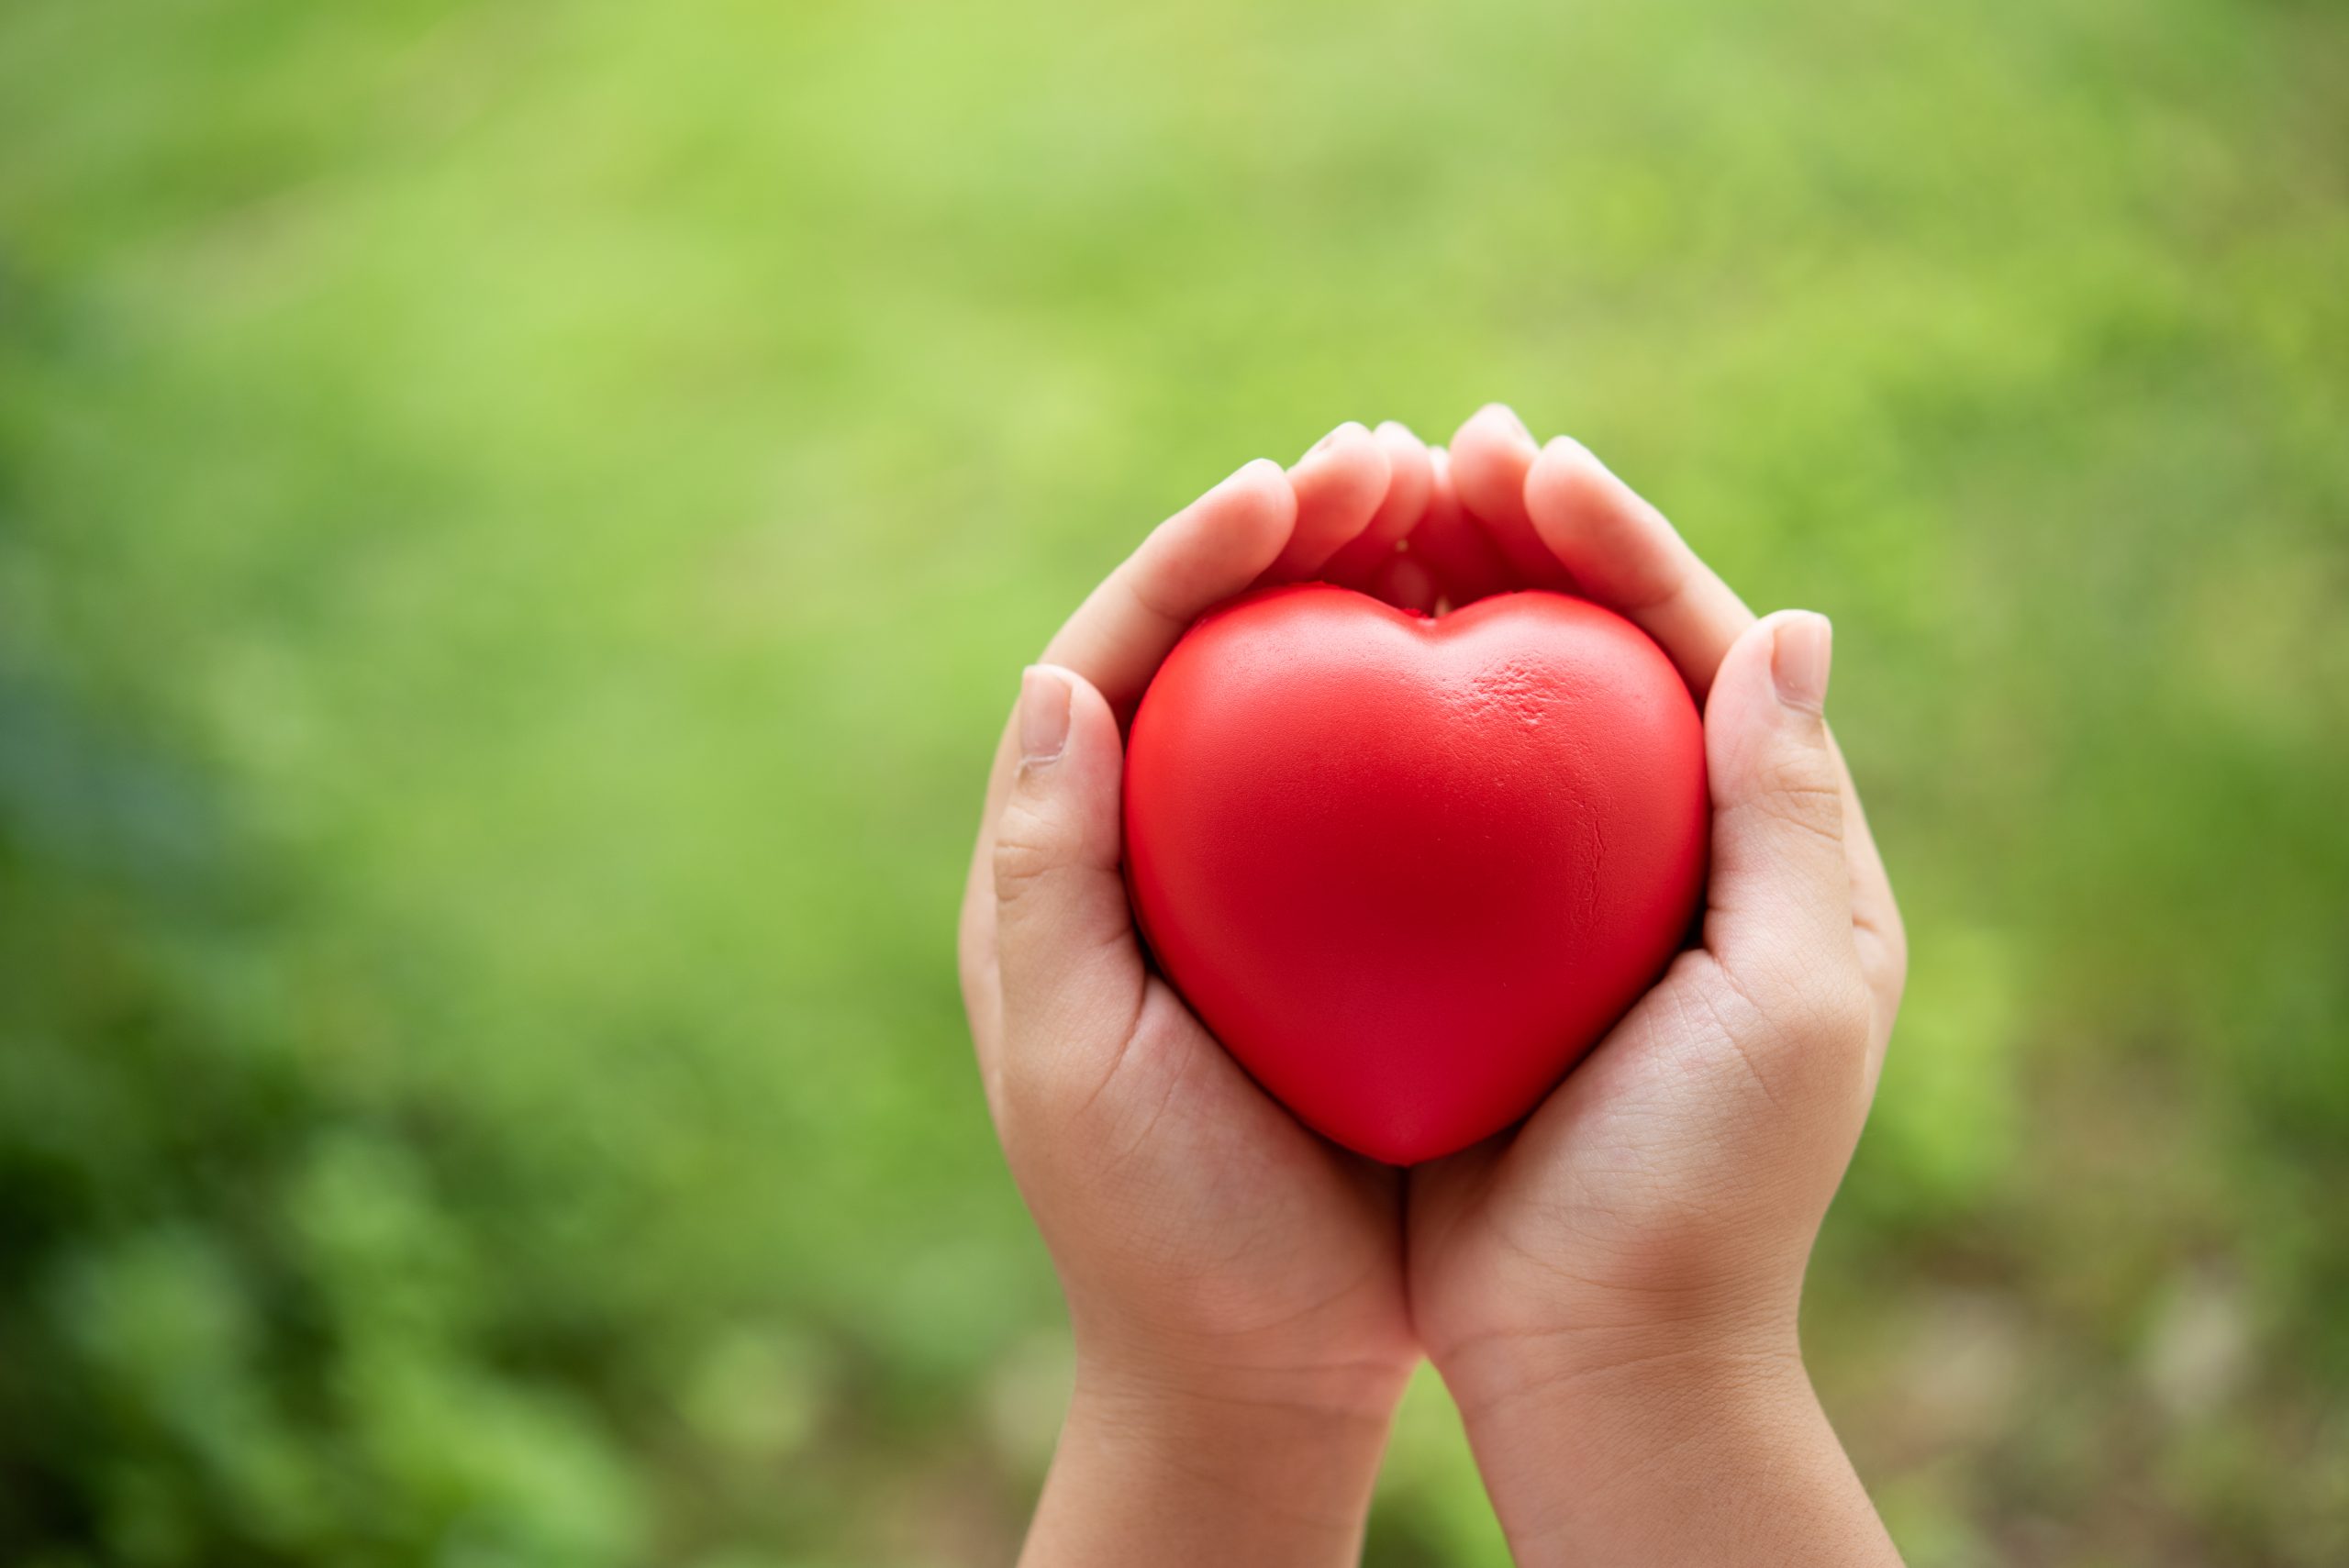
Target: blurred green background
[519,524]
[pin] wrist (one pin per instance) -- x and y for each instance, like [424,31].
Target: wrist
[1157,1371]
[1179,1463]
[1300,1435]
[1622,1358]
[1664,1445]
[1216,1431]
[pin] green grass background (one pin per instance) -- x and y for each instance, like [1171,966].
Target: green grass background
[519,524]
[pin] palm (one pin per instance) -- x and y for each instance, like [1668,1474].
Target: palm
[1247,1226]
[1642,1138]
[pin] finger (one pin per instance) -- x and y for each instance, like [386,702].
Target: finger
[1455,551]
[1778,915]
[1405,583]
[1627,555]
[1622,553]
[1204,553]
[1490,457]
[1071,974]
[1409,473]
[1339,483]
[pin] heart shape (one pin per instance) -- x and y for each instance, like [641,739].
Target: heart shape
[1409,870]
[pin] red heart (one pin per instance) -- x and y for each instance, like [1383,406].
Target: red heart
[1408,871]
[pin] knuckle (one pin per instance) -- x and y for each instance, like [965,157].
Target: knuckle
[974,946]
[1029,1094]
[1803,1030]
[1895,963]
[1896,945]
[1031,843]
[970,975]
[1048,1100]
[1796,793]
[1829,1014]
[1044,1095]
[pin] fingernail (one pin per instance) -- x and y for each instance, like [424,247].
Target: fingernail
[1800,651]
[1398,428]
[1043,715]
[1515,423]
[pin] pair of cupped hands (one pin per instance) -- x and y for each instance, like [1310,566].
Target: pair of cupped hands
[1610,1289]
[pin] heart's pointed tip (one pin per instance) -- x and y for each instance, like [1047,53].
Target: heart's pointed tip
[1403,1152]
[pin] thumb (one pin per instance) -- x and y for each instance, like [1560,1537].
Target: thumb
[1779,915]
[1064,937]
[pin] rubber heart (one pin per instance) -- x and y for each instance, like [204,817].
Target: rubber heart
[1408,871]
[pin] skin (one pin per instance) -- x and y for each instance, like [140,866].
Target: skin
[1611,1290]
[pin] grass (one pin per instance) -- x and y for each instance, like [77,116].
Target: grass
[519,524]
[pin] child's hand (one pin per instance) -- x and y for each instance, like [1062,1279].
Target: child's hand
[1610,1292]
[1234,1283]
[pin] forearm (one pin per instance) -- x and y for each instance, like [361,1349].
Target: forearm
[1144,1475]
[1670,1454]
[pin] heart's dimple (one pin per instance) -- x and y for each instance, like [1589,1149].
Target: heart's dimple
[1409,869]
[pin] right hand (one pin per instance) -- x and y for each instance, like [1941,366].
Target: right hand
[1611,1290]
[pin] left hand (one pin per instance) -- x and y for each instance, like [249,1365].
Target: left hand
[1235,1283]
